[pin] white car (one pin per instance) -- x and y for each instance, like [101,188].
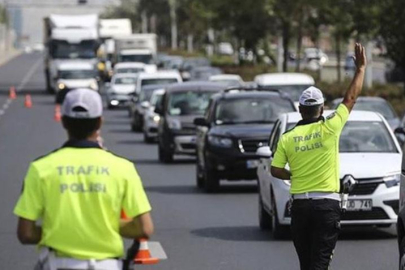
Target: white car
[159,77]
[230,80]
[290,83]
[370,157]
[129,67]
[76,74]
[119,90]
[150,118]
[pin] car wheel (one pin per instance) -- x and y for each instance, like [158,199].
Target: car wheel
[402,255]
[136,123]
[199,175]
[147,138]
[279,231]
[211,181]
[164,155]
[265,219]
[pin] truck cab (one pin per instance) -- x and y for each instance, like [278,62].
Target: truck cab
[69,37]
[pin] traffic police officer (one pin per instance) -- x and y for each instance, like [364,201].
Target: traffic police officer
[311,150]
[78,191]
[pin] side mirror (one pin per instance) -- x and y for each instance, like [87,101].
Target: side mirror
[158,110]
[145,104]
[264,152]
[201,122]
[399,130]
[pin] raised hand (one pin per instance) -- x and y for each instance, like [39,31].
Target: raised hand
[359,57]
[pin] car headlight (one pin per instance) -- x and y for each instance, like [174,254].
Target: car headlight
[392,180]
[174,124]
[61,86]
[220,141]
[156,118]
[94,85]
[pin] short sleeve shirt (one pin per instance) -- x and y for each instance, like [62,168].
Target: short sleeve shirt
[312,152]
[78,193]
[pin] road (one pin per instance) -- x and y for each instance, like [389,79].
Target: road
[197,230]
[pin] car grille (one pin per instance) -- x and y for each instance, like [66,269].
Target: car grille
[375,213]
[364,189]
[251,145]
[188,146]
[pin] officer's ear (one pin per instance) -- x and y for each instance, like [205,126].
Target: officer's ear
[321,110]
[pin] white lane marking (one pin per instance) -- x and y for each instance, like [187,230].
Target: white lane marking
[21,86]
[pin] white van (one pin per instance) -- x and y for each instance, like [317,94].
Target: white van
[159,77]
[291,83]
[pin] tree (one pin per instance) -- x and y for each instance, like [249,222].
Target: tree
[392,21]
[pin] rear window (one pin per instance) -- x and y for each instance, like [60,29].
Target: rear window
[251,110]
[158,81]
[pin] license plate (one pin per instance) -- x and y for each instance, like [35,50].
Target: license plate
[359,205]
[250,164]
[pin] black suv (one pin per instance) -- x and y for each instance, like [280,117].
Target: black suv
[180,105]
[235,125]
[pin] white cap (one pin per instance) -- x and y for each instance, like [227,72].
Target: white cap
[82,103]
[311,96]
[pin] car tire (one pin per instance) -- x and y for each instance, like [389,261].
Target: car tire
[147,138]
[402,255]
[199,174]
[265,219]
[279,231]
[211,181]
[164,155]
[136,124]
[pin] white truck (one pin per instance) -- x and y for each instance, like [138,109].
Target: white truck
[137,48]
[110,29]
[67,38]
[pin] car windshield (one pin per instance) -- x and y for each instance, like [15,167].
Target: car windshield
[125,80]
[251,110]
[381,107]
[145,95]
[142,58]
[155,99]
[189,103]
[76,74]
[129,70]
[364,137]
[294,91]
[158,81]
[64,50]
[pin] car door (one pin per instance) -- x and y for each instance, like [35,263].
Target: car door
[264,174]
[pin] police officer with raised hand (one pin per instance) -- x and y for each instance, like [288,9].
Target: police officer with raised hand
[78,192]
[311,149]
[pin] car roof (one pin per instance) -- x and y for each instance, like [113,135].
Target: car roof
[74,65]
[153,87]
[159,91]
[284,79]
[196,86]
[354,116]
[124,75]
[134,51]
[363,98]
[225,77]
[129,65]
[245,94]
[159,74]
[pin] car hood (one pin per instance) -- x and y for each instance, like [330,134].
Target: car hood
[243,131]
[185,120]
[369,165]
[123,89]
[77,83]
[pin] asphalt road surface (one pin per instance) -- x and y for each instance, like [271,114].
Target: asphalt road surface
[197,230]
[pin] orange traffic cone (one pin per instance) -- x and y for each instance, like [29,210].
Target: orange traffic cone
[28,101]
[12,94]
[123,215]
[143,256]
[57,117]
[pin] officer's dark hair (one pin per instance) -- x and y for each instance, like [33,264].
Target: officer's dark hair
[81,129]
[310,112]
